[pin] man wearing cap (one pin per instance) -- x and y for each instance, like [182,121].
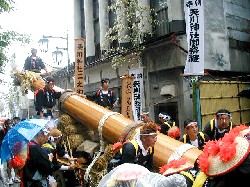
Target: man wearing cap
[34,63]
[105,96]
[45,98]
[193,136]
[219,125]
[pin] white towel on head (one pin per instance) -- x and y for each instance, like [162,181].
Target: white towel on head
[138,140]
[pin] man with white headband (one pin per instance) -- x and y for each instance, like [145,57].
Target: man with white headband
[38,164]
[140,150]
[193,136]
[145,117]
[165,122]
[219,125]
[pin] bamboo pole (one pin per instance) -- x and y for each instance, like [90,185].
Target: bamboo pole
[90,114]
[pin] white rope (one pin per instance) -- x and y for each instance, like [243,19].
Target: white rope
[179,151]
[102,147]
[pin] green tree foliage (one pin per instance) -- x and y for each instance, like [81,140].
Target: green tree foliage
[6,5]
[132,25]
[6,39]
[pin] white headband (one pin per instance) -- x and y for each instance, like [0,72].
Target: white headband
[152,133]
[144,113]
[191,123]
[56,136]
[45,131]
[166,117]
[224,114]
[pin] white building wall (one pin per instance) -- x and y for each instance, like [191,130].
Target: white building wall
[104,22]
[77,19]
[89,28]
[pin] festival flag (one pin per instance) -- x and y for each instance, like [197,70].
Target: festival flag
[194,17]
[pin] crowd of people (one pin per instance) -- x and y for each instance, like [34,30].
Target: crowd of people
[224,160]
[225,147]
[8,173]
[42,168]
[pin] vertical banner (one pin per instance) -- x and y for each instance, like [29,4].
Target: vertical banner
[194,17]
[127,94]
[138,94]
[79,65]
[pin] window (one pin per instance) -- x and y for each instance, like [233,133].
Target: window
[96,29]
[160,13]
[112,19]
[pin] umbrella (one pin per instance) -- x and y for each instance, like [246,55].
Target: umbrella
[19,135]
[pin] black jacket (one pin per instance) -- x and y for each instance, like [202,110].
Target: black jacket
[212,130]
[129,156]
[36,66]
[45,98]
[202,138]
[105,100]
[56,151]
[37,160]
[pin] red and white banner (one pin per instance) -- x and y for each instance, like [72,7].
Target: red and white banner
[194,17]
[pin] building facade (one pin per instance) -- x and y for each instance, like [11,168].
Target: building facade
[226,50]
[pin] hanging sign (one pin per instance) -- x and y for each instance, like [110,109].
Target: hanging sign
[127,96]
[194,17]
[138,94]
[79,65]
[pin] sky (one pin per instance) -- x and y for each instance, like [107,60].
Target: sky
[38,18]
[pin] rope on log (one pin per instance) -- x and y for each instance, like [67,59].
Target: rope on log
[129,130]
[102,147]
[65,95]
[179,151]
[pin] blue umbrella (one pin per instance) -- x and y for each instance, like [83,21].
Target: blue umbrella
[19,135]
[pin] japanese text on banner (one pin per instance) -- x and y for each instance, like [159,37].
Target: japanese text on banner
[194,17]
[79,66]
[138,93]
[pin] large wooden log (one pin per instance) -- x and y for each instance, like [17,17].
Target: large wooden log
[90,114]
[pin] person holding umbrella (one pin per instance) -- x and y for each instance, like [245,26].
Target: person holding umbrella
[6,169]
[21,148]
[39,164]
